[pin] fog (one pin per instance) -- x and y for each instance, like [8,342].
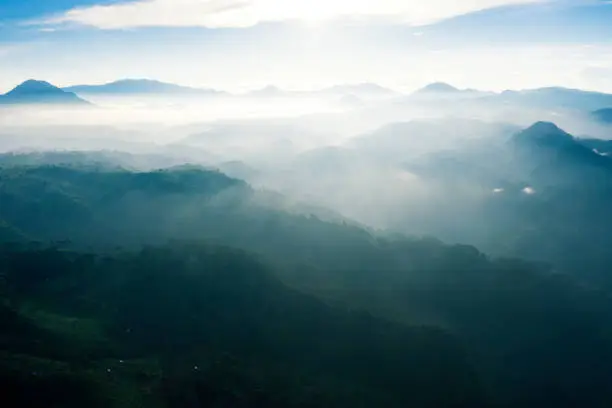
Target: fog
[421,164]
[381,204]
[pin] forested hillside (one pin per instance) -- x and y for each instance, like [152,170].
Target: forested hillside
[195,326]
[399,322]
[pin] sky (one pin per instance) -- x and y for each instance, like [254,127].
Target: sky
[304,44]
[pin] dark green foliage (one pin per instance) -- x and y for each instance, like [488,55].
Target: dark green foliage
[534,337]
[226,331]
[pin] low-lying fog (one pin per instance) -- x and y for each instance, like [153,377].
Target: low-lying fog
[419,165]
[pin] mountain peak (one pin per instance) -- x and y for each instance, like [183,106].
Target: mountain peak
[544,127]
[545,133]
[439,87]
[33,86]
[35,91]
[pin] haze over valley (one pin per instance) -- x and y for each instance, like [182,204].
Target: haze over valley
[329,204]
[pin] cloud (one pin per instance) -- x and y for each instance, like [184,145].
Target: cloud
[246,13]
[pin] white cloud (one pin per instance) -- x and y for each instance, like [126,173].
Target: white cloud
[245,13]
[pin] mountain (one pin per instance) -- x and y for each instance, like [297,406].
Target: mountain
[40,92]
[599,146]
[400,141]
[557,97]
[603,115]
[444,90]
[439,87]
[547,98]
[544,134]
[364,90]
[557,158]
[139,86]
[220,329]
[205,326]
[269,91]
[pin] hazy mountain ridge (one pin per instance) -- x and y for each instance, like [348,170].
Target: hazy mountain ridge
[546,98]
[603,115]
[140,87]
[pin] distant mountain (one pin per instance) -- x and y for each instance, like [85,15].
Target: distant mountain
[603,115]
[139,87]
[401,141]
[444,90]
[546,98]
[544,134]
[364,90]
[40,92]
[439,87]
[557,97]
[352,101]
[269,91]
[553,156]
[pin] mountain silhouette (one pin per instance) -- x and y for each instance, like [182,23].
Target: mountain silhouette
[603,115]
[360,90]
[139,86]
[544,134]
[557,97]
[554,156]
[546,98]
[40,92]
[444,90]
[439,87]
[269,91]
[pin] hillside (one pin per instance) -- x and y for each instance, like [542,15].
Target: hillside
[494,308]
[87,332]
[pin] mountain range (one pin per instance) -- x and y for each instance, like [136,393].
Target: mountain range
[153,87]
[558,97]
[140,86]
[364,90]
[598,103]
[547,98]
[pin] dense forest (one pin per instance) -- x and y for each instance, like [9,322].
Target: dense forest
[187,288]
[193,325]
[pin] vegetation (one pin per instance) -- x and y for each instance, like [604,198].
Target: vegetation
[193,325]
[398,321]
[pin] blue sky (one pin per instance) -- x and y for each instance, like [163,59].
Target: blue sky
[239,44]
